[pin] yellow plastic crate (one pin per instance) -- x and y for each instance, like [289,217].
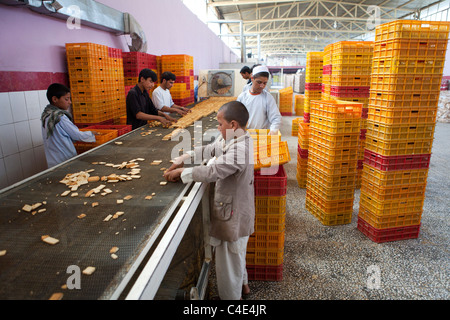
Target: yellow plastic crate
[395,177]
[390,207]
[265,240]
[327,219]
[412,29]
[402,116]
[389,221]
[336,109]
[270,205]
[399,147]
[400,132]
[265,257]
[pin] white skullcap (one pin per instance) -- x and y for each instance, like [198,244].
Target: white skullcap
[260,69]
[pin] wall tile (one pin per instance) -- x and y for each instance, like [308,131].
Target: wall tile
[27,161]
[39,158]
[23,135]
[18,106]
[5,109]
[36,132]
[13,168]
[3,177]
[33,105]
[8,140]
[43,101]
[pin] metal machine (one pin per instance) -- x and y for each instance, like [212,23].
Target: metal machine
[220,83]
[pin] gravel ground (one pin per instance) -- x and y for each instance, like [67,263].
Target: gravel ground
[335,262]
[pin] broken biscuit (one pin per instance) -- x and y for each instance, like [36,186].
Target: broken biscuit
[89,270]
[49,240]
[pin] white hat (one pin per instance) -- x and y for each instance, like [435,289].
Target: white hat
[260,69]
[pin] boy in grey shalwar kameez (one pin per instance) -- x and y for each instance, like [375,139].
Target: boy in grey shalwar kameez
[233,212]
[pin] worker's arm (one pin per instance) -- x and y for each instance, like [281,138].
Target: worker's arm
[144,116]
[173,109]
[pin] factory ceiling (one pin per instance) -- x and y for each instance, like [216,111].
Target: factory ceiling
[296,27]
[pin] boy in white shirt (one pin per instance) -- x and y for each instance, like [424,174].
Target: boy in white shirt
[162,99]
[262,107]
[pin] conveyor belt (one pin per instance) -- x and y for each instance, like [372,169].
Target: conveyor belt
[32,269]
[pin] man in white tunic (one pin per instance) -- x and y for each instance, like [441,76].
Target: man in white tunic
[162,99]
[262,107]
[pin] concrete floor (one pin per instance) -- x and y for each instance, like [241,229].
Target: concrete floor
[323,262]
[338,262]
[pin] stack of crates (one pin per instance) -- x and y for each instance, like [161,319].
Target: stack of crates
[408,62]
[96,83]
[134,62]
[295,121]
[302,153]
[326,72]
[265,248]
[313,80]
[286,100]
[299,104]
[332,160]
[182,66]
[350,81]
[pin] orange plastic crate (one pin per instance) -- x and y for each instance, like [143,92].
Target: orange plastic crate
[425,48]
[412,29]
[270,222]
[402,116]
[332,141]
[379,130]
[351,80]
[408,65]
[265,257]
[391,193]
[331,181]
[327,219]
[389,221]
[398,147]
[336,109]
[330,207]
[391,207]
[270,205]
[335,126]
[329,154]
[330,194]
[265,240]
[399,99]
[354,47]
[395,177]
[401,83]
[332,168]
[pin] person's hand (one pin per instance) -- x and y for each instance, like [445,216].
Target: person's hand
[173,175]
[178,162]
[273,132]
[165,121]
[96,133]
[181,111]
[187,110]
[171,119]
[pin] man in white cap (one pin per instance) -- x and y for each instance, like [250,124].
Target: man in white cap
[262,107]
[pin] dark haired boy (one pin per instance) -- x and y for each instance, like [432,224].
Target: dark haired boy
[246,74]
[231,167]
[140,108]
[162,99]
[58,130]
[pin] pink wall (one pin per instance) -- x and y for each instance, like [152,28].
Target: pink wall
[32,42]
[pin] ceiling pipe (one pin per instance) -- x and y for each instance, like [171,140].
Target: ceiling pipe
[89,13]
